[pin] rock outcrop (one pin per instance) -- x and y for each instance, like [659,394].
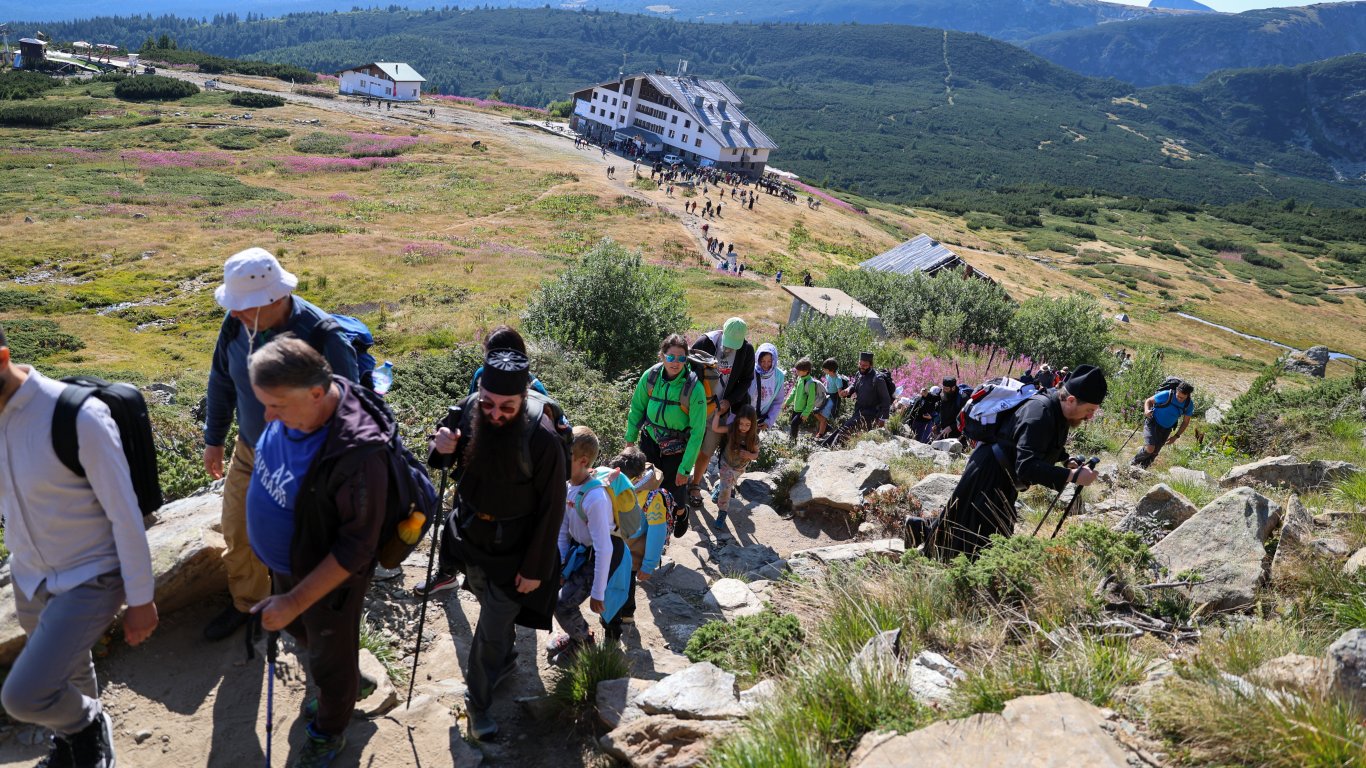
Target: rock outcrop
[1347,668]
[933,491]
[1223,545]
[838,479]
[1311,362]
[1289,472]
[1161,509]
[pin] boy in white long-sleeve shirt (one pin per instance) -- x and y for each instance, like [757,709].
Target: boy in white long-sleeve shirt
[586,547]
[78,551]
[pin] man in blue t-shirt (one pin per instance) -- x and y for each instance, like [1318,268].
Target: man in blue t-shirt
[1163,410]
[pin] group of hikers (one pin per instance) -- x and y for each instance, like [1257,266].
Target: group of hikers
[318,488]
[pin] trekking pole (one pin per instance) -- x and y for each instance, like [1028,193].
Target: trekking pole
[1120,453]
[272,654]
[437,524]
[1071,505]
[1044,519]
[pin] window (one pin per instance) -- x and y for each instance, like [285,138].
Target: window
[699,143]
[671,134]
[592,110]
[685,138]
[595,96]
[614,102]
[675,120]
[687,123]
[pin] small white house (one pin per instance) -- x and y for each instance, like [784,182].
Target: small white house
[394,81]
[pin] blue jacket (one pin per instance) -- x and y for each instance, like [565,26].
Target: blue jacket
[230,384]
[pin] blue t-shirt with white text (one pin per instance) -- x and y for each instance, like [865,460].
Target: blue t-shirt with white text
[283,456]
[1168,410]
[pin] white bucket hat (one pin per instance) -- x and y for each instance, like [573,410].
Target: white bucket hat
[253,278]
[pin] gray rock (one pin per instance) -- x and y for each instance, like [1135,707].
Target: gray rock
[770,572]
[758,695]
[880,655]
[1355,563]
[1347,668]
[1160,507]
[933,491]
[1049,731]
[1293,672]
[1363,403]
[732,596]
[1332,546]
[703,691]
[1312,361]
[757,486]
[733,557]
[805,568]
[542,708]
[1298,528]
[385,697]
[1192,476]
[841,553]
[663,741]
[1223,543]
[614,700]
[838,479]
[951,447]
[1289,472]
[932,678]
[141,736]
[1214,415]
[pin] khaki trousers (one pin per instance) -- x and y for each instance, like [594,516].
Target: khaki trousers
[248,579]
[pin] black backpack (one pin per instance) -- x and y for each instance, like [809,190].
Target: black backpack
[885,377]
[410,488]
[1170,384]
[129,411]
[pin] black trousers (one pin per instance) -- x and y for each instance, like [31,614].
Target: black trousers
[329,630]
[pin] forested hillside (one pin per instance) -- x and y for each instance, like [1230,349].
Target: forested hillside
[888,112]
[1184,49]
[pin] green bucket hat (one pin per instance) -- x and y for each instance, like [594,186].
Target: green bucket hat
[733,333]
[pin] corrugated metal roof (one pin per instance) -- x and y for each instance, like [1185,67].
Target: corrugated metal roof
[919,254]
[397,71]
[723,125]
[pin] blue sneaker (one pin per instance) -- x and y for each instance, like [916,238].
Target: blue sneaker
[319,750]
[720,523]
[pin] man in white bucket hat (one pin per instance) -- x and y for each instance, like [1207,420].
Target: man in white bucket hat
[258,294]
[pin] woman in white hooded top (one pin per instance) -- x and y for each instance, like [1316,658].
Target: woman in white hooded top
[766,392]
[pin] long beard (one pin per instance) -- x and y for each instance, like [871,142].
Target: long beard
[494,446]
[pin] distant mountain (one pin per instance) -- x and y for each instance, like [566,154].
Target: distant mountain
[1012,20]
[890,112]
[1181,5]
[1184,49]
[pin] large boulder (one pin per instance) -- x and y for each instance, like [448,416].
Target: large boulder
[1293,672]
[733,597]
[1160,509]
[702,691]
[1312,361]
[933,491]
[838,479]
[615,700]
[1289,472]
[187,562]
[1053,731]
[1347,668]
[664,741]
[1224,544]
[1297,533]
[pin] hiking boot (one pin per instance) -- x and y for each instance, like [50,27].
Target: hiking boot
[58,754]
[225,624]
[562,648]
[695,496]
[93,746]
[482,725]
[442,583]
[367,688]
[319,750]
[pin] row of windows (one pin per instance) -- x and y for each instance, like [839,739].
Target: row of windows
[592,110]
[604,98]
[651,127]
[652,112]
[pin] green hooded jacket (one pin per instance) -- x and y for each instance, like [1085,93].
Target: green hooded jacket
[661,409]
[803,397]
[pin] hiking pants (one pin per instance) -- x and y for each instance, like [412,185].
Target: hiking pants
[494,636]
[52,683]
[248,578]
[577,588]
[1156,435]
[329,630]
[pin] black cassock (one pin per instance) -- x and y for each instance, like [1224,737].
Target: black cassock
[1032,445]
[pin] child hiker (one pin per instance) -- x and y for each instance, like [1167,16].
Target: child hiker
[833,383]
[586,549]
[646,547]
[803,398]
[742,447]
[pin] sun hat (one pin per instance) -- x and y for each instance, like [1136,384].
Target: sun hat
[253,278]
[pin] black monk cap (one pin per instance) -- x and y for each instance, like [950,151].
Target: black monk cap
[506,372]
[1087,384]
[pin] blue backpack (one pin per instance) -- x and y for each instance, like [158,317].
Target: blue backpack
[356,332]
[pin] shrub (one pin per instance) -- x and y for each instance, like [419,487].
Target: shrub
[588,399]
[1007,569]
[1124,402]
[1070,331]
[320,143]
[575,686]
[35,339]
[1090,669]
[18,84]
[251,100]
[611,307]
[977,311]
[233,138]
[154,88]
[1262,260]
[42,115]
[815,336]
[755,646]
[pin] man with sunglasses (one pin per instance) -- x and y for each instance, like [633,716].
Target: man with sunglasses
[258,295]
[505,524]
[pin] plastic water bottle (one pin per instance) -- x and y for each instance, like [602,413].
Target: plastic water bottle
[383,377]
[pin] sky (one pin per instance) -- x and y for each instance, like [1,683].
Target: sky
[1235,6]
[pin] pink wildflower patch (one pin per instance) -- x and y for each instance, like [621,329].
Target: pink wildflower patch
[930,371]
[336,164]
[378,145]
[151,158]
[340,197]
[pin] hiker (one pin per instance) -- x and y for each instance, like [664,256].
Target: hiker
[873,401]
[922,411]
[766,391]
[734,373]
[750,205]
[778,278]
[741,447]
[832,383]
[321,547]
[1032,443]
[588,550]
[504,337]
[78,552]
[257,293]
[1161,413]
[668,416]
[510,500]
[946,416]
[803,398]
[806,279]
[647,546]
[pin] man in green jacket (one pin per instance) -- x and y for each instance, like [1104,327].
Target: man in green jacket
[669,418]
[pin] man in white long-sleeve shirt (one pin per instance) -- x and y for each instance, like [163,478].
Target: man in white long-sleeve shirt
[586,548]
[78,551]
